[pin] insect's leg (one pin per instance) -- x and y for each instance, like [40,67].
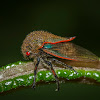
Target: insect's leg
[56,77]
[65,65]
[70,67]
[38,60]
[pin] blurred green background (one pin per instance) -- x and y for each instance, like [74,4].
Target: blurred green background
[79,18]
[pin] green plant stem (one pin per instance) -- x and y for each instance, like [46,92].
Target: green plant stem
[21,74]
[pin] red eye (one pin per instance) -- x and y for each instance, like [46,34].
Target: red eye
[27,53]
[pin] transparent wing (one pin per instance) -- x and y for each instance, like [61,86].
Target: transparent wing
[70,51]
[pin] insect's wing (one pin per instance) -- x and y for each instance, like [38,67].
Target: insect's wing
[70,51]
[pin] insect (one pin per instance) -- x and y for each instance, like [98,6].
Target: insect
[46,48]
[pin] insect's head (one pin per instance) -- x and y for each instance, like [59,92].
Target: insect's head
[31,44]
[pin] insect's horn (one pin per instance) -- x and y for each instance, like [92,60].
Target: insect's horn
[71,38]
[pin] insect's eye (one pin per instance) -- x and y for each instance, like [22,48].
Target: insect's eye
[27,53]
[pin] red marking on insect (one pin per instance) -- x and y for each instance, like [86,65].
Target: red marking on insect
[36,68]
[70,39]
[27,53]
[53,72]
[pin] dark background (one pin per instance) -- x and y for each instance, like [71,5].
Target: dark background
[65,18]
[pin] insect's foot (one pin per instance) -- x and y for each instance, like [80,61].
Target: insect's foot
[34,86]
[75,72]
[57,89]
